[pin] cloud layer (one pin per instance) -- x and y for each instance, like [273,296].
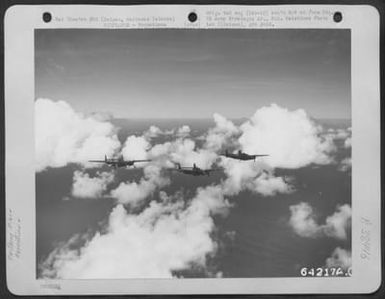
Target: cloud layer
[133,193]
[135,148]
[222,134]
[64,136]
[151,234]
[183,151]
[303,221]
[291,138]
[85,186]
[340,258]
[169,235]
[252,177]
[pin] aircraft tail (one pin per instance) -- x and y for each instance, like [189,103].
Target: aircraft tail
[105,158]
[194,166]
[178,165]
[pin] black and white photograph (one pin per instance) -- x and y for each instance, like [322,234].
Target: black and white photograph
[180,153]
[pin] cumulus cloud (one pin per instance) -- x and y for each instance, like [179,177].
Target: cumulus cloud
[64,136]
[269,185]
[340,133]
[84,186]
[134,193]
[253,177]
[152,132]
[291,138]
[183,151]
[135,148]
[345,164]
[303,221]
[183,131]
[222,134]
[168,236]
[348,142]
[337,224]
[340,258]
[344,140]
[343,135]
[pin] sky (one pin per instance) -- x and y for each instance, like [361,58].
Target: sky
[181,93]
[177,73]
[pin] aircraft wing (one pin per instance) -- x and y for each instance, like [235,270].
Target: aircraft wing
[259,155]
[97,161]
[140,161]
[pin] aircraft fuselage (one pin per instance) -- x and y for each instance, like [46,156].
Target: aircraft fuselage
[195,172]
[243,157]
[120,163]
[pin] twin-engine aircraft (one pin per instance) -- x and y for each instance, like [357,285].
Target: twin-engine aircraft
[119,162]
[241,156]
[195,170]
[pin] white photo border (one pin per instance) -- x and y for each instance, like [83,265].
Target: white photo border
[20,23]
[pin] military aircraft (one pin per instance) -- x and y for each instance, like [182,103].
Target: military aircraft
[118,162]
[195,170]
[242,156]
